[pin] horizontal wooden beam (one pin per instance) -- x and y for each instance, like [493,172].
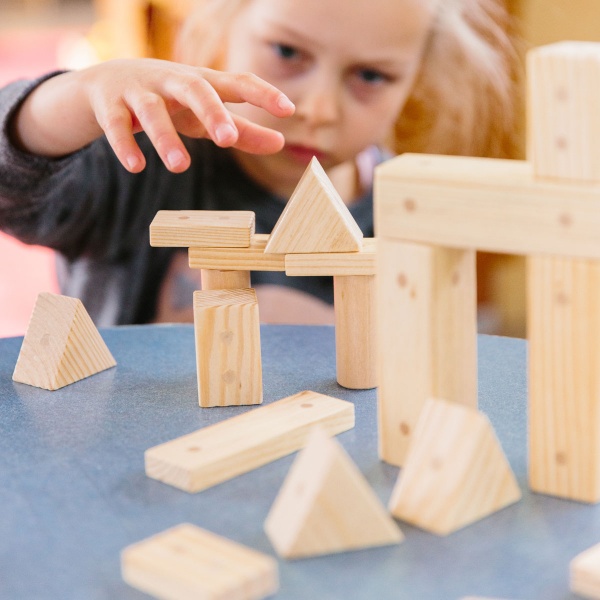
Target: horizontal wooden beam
[485,204]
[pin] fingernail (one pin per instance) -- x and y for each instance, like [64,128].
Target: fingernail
[132,162]
[285,103]
[175,158]
[224,133]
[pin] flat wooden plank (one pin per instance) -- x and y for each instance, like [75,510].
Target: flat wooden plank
[485,204]
[252,258]
[187,563]
[203,228]
[217,453]
[362,262]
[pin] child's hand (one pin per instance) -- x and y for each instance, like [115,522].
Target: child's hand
[161,98]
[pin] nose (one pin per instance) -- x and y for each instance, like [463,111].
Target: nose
[320,103]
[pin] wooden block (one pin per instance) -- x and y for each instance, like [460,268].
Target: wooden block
[355,331]
[61,345]
[214,279]
[563,100]
[563,294]
[315,219]
[427,336]
[455,472]
[228,354]
[362,262]
[585,573]
[219,452]
[202,228]
[187,563]
[326,505]
[485,204]
[252,258]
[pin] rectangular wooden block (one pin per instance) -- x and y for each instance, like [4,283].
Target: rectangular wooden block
[217,453]
[252,258]
[361,262]
[187,563]
[203,228]
[485,204]
[228,353]
[584,572]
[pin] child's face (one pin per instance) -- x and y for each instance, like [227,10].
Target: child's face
[348,65]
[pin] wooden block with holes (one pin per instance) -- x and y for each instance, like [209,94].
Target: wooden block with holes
[326,505]
[202,228]
[61,346]
[219,452]
[455,472]
[584,572]
[564,292]
[315,219]
[187,562]
[228,353]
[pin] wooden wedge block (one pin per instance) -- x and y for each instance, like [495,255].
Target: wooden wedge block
[315,219]
[219,452]
[455,473]
[252,258]
[362,262]
[326,505]
[202,228]
[228,353]
[61,346]
[584,573]
[187,563]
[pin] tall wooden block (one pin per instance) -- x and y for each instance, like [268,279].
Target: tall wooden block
[584,572]
[326,505]
[563,294]
[355,330]
[455,472]
[187,563]
[315,219]
[215,279]
[228,355]
[217,453]
[61,345]
[427,336]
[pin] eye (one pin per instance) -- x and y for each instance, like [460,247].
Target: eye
[372,76]
[285,51]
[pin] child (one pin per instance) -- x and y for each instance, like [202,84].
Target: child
[406,75]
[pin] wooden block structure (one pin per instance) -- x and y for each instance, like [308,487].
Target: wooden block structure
[324,481]
[455,471]
[228,353]
[217,453]
[433,212]
[61,345]
[187,562]
[584,572]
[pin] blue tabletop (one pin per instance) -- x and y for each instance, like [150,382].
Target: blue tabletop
[73,492]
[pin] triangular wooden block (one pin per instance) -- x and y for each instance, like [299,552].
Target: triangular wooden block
[326,505]
[315,219]
[61,345]
[455,472]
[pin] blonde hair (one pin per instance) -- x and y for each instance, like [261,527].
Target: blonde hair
[465,99]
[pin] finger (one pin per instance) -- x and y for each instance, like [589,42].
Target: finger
[151,112]
[257,139]
[116,122]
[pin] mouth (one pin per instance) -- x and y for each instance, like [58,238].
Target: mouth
[304,154]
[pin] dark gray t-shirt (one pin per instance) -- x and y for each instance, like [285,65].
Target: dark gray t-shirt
[96,215]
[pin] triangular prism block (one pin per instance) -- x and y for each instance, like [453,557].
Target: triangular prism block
[325,505]
[61,345]
[455,471]
[315,219]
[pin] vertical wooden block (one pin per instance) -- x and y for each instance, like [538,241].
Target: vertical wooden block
[61,345]
[584,573]
[427,336]
[315,219]
[187,563]
[455,472]
[326,505]
[355,330]
[563,294]
[215,279]
[228,354]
